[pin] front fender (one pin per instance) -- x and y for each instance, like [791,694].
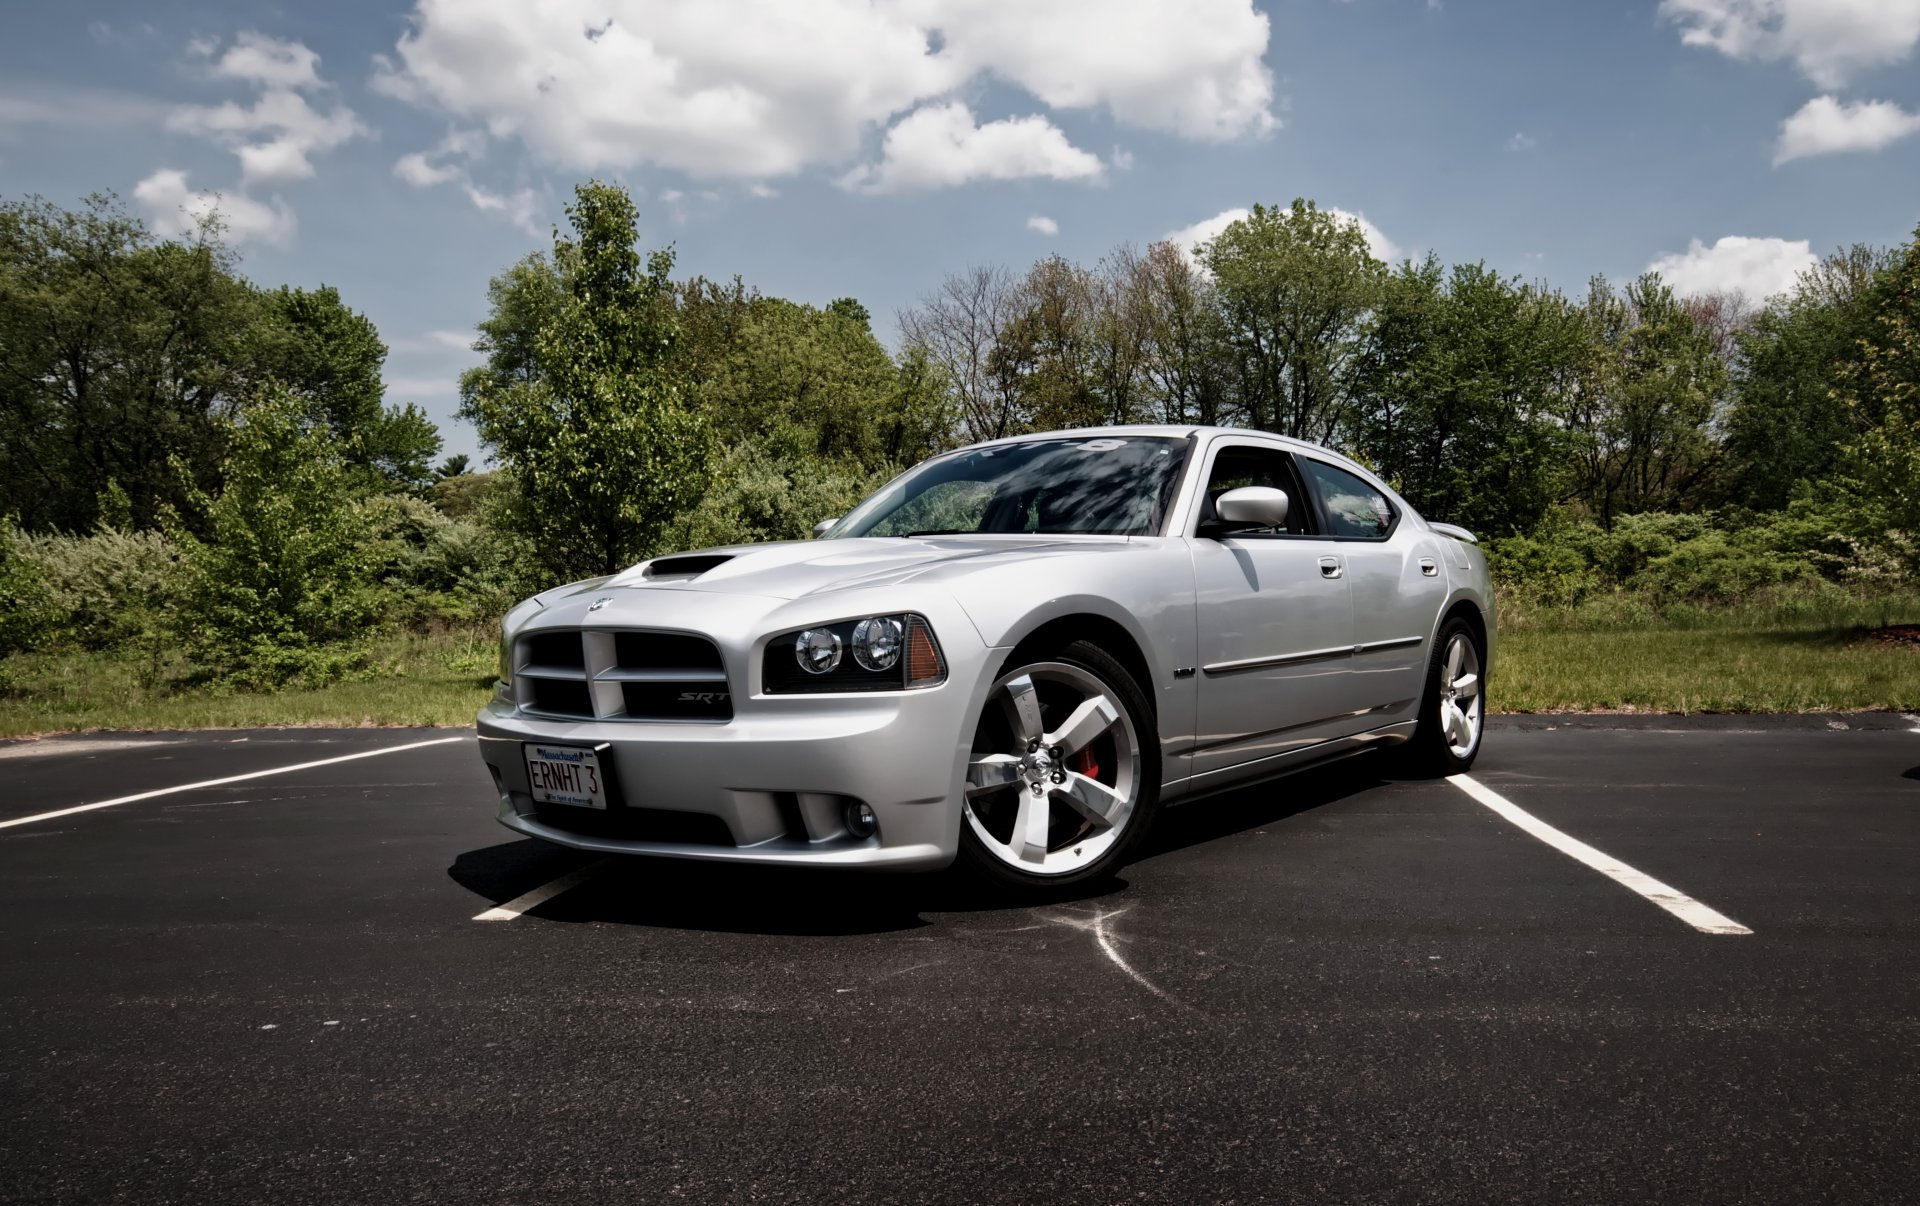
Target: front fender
[1146,593]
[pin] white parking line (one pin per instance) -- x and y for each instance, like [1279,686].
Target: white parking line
[1685,907]
[278,770]
[542,894]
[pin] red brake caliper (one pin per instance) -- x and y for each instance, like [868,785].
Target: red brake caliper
[1086,762]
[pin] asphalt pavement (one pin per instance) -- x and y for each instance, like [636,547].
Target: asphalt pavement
[1336,987]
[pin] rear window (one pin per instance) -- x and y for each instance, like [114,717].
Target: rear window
[1354,508]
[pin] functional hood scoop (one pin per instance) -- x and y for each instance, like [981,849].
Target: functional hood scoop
[691,566]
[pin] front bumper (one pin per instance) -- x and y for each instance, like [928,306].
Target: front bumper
[771,785]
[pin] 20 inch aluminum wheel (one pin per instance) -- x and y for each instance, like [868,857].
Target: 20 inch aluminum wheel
[1056,778]
[1461,705]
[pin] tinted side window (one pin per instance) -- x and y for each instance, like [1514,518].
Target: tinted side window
[1237,466]
[1354,508]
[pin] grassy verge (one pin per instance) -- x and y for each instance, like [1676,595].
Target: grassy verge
[417,679]
[1805,655]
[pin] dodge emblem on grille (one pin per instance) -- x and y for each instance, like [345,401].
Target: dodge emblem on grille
[602,601]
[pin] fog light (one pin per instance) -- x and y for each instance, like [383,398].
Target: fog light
[860,819]
[817,650]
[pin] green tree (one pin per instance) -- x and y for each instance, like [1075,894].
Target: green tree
[331,357]
[281,587]
[1048,348]
[1294,287]
[522,302]
[1640,413]
[591,424]
[1461,394]
[811,384]
[957,330]
[1785,426]
[1184,357]
[119,358]
[1880,389]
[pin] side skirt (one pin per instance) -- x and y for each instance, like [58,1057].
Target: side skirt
[1231,778]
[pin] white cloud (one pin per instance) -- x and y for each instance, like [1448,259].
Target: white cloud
[940,146]
[259,59]
[1041,224]
[416,169]
[450,162]
[517,208]
[424,169]
[1521,143]
[1825,126]
[747,90]
[275,137]
[1186,67]
[1121,159]
[1828,40]
[1188,238]
[175,209]
[1759,268]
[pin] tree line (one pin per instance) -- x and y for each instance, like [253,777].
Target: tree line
[226,450]
[1488,400]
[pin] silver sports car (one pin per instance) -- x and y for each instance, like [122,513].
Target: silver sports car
[1012,655]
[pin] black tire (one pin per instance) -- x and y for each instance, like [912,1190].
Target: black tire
[1431,753]
[978,861]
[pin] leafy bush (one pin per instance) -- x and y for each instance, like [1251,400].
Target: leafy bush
[1667,560]
[441,568]
[464,495]
[29,612]
[110,588]
[286,588]
[762,495]
[1551,566]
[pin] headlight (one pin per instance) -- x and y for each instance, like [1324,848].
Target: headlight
[890,653]
[876,643]
[817,650]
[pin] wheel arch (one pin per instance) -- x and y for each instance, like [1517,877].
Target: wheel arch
[1124,646]
[1468,608]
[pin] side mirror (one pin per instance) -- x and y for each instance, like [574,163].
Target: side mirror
[1251,507]
[824,526]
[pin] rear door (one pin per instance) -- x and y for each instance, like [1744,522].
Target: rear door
[1274,621]
[1397,581]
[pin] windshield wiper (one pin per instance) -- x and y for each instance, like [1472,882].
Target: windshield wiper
[940,532]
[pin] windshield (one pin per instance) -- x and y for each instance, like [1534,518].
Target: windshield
[1096,485]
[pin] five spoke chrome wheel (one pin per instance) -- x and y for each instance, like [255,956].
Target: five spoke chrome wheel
[1461,705]
[1055,770]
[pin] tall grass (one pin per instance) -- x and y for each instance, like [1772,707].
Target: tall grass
[441,677]
[1800,649]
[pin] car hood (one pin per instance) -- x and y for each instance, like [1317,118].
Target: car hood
[796,569]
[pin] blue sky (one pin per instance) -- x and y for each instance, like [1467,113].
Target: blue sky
[405,152]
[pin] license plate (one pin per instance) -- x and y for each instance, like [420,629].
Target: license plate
[565,774]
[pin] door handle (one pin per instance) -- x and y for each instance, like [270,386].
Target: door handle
[1329,567]
[1429,567]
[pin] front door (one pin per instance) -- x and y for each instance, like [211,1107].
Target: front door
[1275,624]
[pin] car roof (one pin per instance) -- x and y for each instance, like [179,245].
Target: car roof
[1181,431]
[1178,431]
